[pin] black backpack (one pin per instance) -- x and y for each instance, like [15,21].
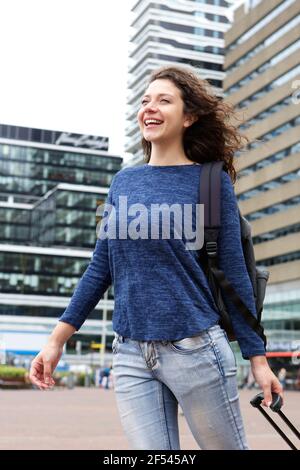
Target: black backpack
[210,196]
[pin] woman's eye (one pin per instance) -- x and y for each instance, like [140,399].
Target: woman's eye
[143,102]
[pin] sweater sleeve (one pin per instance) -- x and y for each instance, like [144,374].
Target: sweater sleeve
[232,263]
[92,285]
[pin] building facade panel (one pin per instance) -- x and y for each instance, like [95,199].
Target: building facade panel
[262,74]
[261,37]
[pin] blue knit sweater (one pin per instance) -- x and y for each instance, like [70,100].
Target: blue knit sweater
[161,292]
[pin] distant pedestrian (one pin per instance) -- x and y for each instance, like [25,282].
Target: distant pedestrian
[282,377]
[297,382]
[250,380]
[105,377]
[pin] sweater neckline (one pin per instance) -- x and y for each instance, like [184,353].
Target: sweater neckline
[171,166]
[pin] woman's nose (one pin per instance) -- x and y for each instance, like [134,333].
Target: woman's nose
[150,107]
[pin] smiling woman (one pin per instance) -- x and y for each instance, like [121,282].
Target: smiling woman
[191,123]
[169,346]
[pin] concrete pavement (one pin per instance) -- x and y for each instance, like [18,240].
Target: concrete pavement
[87,418]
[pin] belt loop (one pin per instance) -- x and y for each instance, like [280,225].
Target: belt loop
[119,338]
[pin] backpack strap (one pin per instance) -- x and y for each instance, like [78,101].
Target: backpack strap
[210,196]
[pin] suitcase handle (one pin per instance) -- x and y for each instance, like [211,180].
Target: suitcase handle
[275,405]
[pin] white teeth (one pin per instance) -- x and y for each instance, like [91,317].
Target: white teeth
[152,121]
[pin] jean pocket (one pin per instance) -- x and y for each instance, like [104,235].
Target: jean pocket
[225,356]
[191,344]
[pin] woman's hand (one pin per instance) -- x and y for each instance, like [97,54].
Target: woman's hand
[44,364]
[265,378]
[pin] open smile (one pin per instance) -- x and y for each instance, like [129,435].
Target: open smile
[152,122]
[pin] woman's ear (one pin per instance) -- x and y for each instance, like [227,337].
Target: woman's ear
[190,120]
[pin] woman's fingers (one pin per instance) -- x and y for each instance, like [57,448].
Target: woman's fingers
[35,372]
[47,372]
[36,376]
[277,388]
[273,386]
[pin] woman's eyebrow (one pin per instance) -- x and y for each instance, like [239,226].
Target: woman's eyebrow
[160,94]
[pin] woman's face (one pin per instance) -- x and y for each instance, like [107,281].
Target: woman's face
[162,102]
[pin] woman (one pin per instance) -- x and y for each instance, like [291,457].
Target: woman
[168,346]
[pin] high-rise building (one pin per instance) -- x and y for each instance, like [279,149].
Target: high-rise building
[263,82]
[50,186]
[185,32]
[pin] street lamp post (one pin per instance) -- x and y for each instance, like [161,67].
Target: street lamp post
[103,339]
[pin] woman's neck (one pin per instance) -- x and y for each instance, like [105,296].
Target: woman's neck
[171,155]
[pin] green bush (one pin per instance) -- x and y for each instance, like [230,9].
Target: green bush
[60,375]
[64,373]
[80,379]
[10,372]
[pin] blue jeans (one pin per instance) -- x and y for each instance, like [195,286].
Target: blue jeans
[199,373]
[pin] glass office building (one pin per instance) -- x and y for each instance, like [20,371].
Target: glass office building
[51,184]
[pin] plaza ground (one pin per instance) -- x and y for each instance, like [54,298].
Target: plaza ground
[87,418]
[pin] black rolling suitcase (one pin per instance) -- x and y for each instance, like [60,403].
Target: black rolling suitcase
[275,406]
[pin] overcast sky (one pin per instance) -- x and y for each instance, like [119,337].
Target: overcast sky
[64,65]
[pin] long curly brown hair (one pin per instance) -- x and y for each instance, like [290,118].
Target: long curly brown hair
[212,137]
